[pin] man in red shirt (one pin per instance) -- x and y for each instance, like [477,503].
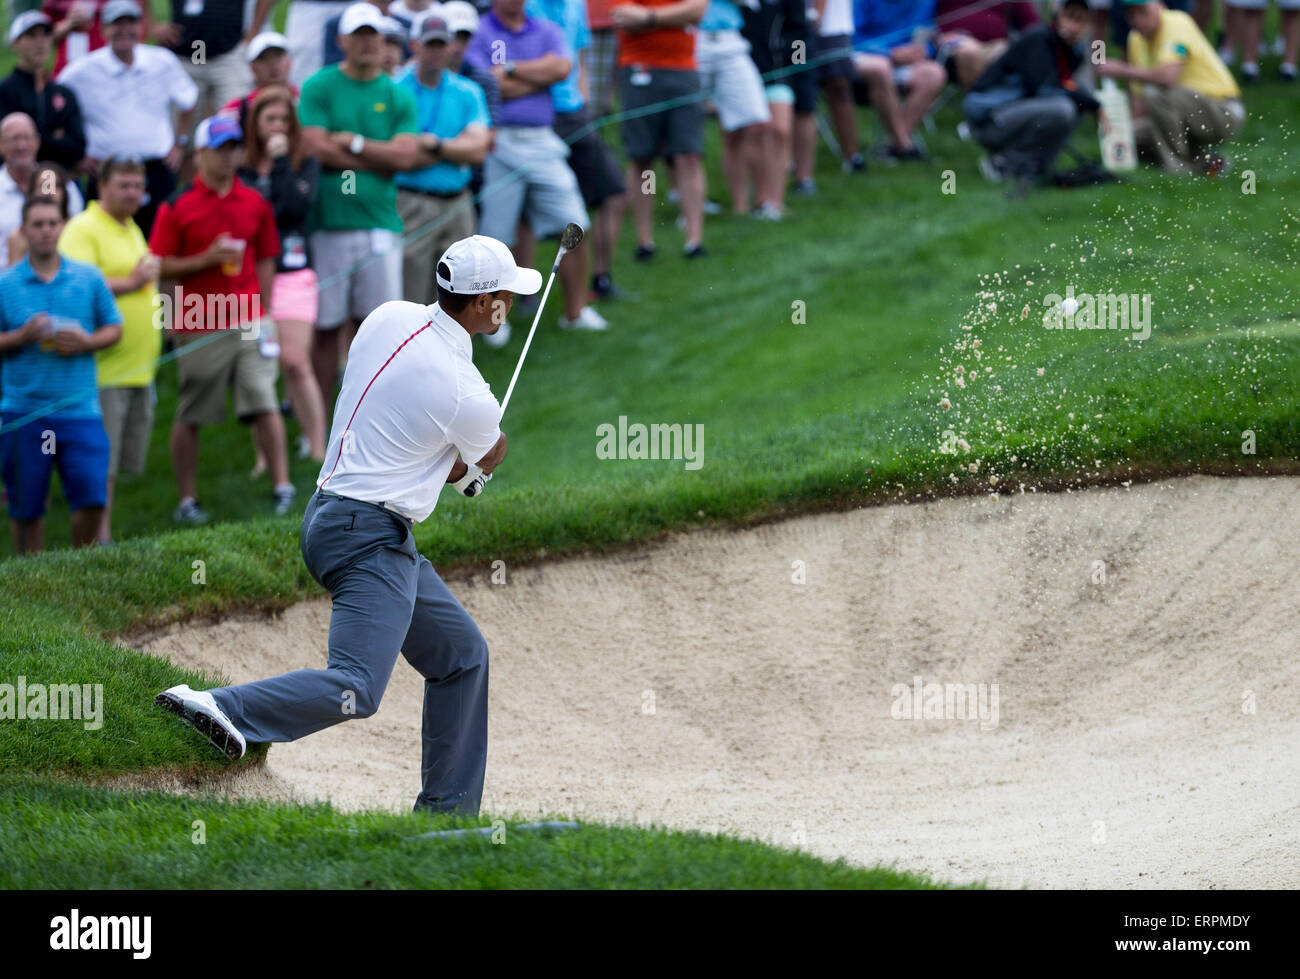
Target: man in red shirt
[656,63]
[217,240]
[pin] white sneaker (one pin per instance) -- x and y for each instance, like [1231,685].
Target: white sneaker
[587,319]
[500,338]
[198,709]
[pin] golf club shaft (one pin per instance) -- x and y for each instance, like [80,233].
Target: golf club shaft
[531,330]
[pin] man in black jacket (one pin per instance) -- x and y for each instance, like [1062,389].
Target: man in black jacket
[1026,105]
[29,89]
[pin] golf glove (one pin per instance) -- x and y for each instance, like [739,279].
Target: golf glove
[472,483]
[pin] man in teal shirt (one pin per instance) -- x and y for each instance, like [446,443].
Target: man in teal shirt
[434,201]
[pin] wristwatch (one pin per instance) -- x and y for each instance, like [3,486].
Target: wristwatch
[510,69]
[436,148]
[357,145]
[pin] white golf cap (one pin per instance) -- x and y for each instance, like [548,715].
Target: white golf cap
[115,10]
[481,264]
[265,42]
[359,15]
[460,15]
[24,22]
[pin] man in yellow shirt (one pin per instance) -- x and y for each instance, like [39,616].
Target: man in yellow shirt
[1184,98]
[106,236]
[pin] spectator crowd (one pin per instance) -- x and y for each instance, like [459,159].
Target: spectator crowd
[244,198]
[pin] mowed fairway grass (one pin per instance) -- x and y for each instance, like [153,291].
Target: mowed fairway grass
[813,354]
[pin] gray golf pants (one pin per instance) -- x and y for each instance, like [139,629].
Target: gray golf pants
[387,598]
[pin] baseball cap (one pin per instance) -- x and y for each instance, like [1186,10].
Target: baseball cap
[359,15]
[217,131]
[432,29]
[460,15]
[482,264]
[115,10]
[393,29]
[24,22]
[265,42]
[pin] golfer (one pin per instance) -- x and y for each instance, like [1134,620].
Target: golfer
[411,402]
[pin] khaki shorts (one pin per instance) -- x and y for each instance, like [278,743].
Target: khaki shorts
[225,359]
[128,420]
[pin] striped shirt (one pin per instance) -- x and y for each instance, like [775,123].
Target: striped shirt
[45,381]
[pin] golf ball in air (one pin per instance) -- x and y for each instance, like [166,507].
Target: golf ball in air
[1070,306]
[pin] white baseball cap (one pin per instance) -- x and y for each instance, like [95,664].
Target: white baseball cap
[115,10]
[460,15]
[359,15]
[482,264]
[265,42]
[24,22]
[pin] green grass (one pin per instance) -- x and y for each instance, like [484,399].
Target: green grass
[896,279]
[61,835]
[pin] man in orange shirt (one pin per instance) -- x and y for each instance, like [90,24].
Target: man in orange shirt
[656,63]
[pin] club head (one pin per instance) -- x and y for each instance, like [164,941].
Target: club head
[572,236]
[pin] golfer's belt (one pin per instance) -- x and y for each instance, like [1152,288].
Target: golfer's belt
[331,495]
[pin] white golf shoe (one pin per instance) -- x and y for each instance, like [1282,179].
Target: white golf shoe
[198,709]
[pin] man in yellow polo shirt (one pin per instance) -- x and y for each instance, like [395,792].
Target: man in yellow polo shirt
[1184,98]
[106,236]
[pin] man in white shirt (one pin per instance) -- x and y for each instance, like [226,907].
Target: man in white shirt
[411,402]
[127,91]
[19,141]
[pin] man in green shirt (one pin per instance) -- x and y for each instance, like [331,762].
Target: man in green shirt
[363,127]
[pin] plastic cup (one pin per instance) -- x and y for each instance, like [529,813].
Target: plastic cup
[232,268]
[57,325]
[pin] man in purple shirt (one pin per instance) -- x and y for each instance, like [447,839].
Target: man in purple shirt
[526,174]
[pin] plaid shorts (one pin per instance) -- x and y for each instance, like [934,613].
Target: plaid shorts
[599,60]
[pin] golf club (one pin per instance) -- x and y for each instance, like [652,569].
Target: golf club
[569,240]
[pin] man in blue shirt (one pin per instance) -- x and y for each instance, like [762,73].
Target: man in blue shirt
[600,177]
[895,50]
[434,201]
[54,314]
[527,174]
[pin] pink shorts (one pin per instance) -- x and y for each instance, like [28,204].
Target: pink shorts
[294,296]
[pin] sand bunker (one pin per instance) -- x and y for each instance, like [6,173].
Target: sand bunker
[1147,713]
